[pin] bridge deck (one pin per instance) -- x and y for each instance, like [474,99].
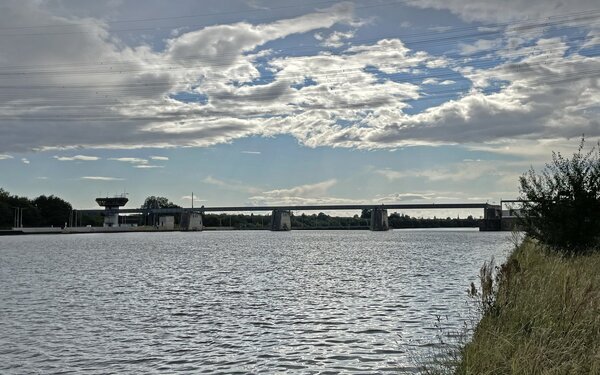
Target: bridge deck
[345,207]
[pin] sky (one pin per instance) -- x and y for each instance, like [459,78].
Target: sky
[251,102]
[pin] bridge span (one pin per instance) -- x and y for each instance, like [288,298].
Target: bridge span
[281,215]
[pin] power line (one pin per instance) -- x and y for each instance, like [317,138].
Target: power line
[174,17]
[174,68]
[133,88]
[305,106]
[162,27]
[523,30]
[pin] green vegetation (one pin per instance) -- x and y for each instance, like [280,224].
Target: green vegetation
[43,211]
[53,211]
[541,309]
[562,203]
[541,315]
[321,220]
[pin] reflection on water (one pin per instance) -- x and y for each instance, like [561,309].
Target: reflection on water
[234,302]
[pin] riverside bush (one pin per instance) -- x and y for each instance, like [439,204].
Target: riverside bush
[544,318]
[561,205]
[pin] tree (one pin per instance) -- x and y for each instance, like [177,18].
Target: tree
[53,210]
[153,202]
[366,213]
[158,202]
[561,205]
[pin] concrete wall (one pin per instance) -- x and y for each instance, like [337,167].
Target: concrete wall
[166,222]
[281,220]
[111,219]
[191,221]
[39,230]
[379,220]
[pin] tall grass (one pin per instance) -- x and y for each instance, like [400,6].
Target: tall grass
[541,315]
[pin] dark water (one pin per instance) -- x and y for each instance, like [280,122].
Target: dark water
[233,302]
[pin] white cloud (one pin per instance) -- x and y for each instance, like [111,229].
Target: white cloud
[189,198]
[147,166]
[251,152]
[320,99]
[5,157]
[130,160]
[335,39]
[480,45]
[25,160]
[76,158]
[102,178]
[299,195]
[309,190]
[162,158]
[433,81]
[231,185]
[508,10]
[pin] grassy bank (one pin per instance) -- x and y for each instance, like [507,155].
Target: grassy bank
[543,317]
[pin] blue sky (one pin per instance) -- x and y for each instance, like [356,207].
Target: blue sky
[264,102]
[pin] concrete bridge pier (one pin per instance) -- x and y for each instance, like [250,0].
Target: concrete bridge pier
[281,220]
[191,221]
[492,219]
[379,220]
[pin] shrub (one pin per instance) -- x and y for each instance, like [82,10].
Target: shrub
[561,205]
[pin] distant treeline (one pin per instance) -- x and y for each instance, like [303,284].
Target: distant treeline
[45,211]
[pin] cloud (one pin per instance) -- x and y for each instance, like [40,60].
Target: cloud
[251,152]
[478,46]
[298,195]
[25,160]
[231,185]
[335,39]
[309,190]
[5,157]
[509,10]
[469,174]
[189,198]
[433,81]
[102,178]
[162,158]
[130,160]
[147,166]
[76,158]
[245,87]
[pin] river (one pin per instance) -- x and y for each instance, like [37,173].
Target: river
[236,301]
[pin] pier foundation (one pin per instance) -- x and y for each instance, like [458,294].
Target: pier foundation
[379,220]
[191,221]
[492,219]
[281,220]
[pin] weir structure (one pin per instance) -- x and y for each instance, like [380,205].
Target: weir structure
[111,209]
[191,218]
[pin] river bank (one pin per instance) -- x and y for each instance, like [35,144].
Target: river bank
[544,317]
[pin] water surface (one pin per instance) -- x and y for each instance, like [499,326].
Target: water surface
[234,302]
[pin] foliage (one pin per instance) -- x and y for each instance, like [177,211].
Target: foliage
[154,202]
[542,317]
[561,205]
[53,210]
[43,211]
[158,202]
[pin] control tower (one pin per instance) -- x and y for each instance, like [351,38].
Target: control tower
[111,209]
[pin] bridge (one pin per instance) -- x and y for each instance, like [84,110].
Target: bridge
[191,218]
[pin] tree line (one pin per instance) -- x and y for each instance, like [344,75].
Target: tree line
[46,211]
[43,211]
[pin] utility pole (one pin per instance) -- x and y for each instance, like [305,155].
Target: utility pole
[16,218]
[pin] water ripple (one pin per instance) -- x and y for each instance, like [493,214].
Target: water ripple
[233,302]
